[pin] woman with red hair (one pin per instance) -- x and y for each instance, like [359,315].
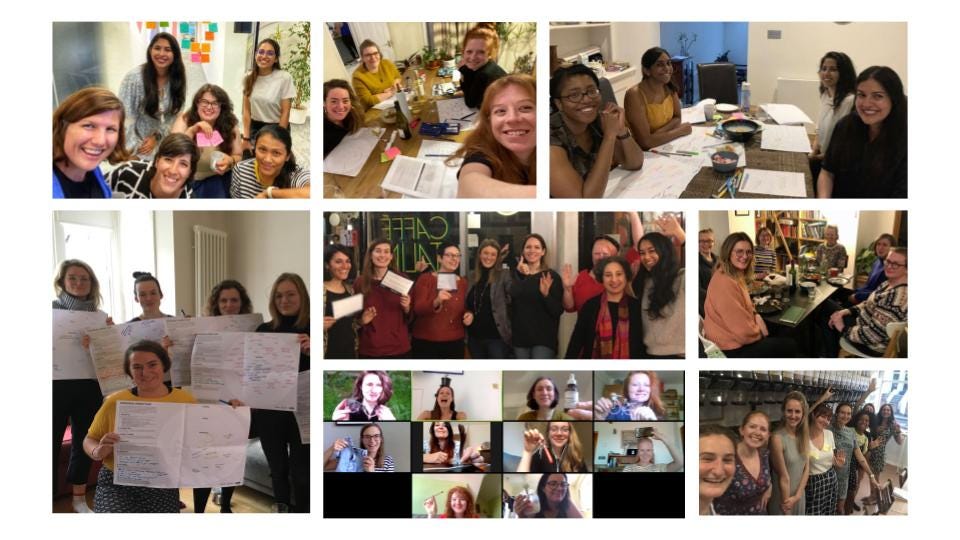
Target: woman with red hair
[459,504]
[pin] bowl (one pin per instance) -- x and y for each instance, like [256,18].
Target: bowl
[389,116]
[740,129]
[724,161]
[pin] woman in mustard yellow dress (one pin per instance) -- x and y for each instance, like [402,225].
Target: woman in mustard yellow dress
[653,106]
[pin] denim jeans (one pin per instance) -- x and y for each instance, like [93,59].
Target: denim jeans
[488,348]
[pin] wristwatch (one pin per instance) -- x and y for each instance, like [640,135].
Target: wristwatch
[623,137]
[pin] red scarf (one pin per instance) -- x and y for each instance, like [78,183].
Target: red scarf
[604,344]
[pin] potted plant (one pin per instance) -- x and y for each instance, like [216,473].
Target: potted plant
[429,57]
[864,263]
[298,65]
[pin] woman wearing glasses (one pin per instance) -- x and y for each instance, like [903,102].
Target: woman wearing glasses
[587,137]
[377,79]
[731,321]
[438,308]
[211,117]
[371,440]
[653,106]
[268,92]
[559,451]
[553,491]
[865,325]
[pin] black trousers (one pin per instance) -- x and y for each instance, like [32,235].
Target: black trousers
[288,458]
[75,401]
[437,349]
[768,347]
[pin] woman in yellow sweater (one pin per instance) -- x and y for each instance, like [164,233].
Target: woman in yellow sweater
[653,106]
[377,79]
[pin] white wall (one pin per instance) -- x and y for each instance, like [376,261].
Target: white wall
[183,265]
[610,439]
[396,439]
[477,393]
[716,221]
[516,384]
[631,39]
[407,37]
[873,224]
[798,52]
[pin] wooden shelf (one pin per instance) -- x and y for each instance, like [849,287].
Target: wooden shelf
[578,25]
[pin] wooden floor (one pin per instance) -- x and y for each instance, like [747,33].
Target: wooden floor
[245,501]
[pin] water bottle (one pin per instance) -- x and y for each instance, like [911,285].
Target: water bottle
[745,97]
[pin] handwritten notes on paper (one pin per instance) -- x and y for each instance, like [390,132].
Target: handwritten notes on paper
[414,177]
[440,151]
[302,414]
[259,369]
[107,346]
[776,183]
[455,111]
[785,139]
[660,178]
[702,145]
[352,152]
[170,445]
[183,332]
[70,359]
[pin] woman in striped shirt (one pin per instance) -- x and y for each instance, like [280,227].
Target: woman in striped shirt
[371,440]
[273,173]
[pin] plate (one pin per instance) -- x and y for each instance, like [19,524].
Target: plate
[727,108]
[772,306]
[838,281]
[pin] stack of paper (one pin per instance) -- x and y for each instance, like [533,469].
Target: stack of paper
[660,178]
[455,111]
[785,113]
[352,152]
[785,139]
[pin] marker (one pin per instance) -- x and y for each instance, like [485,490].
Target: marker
[182,312]
[467,116]
[437,155]
[224,402]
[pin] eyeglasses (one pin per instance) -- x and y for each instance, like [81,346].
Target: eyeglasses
[452,255]
[577,95]
[553,484]
[708,241]
[371,55]
[894,265]
[78,279]
[743,253]
[266,52]
[559,429]
[376,437]
[206,103]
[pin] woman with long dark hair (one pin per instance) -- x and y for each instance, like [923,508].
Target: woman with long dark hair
[883,428]
[384,333]
[609,325]
[268,93]
[153,95]
[212,112]
[444,406]
[536,294]
[837,82]
[660,285]
[273,173]
[442,449]
[653,105]
[489,330]
[339,335]
[846,440]
[368,399]
[867,156]
[553,491]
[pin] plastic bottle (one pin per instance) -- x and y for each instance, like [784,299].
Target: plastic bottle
[745,97]
[572,396]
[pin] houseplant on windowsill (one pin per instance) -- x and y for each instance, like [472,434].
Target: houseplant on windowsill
[298,65]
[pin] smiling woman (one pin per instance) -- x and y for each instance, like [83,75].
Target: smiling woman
[166,177]
[274,172]
[610,324]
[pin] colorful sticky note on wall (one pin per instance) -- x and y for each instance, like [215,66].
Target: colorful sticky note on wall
[209,36]
[184,27]
[204,58]
[205,47]
[195,57]
[195,47]
[164,24]
[212,27]
[185,44]
[151,24]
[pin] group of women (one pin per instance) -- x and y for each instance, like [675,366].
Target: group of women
[161,149]
[92,418]
[807,466]
[499,154]
[503,311]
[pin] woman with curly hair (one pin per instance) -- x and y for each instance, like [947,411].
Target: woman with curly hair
[212,112]
[459,504]
[340,114]
[368,399]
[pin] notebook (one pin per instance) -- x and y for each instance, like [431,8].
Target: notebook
[792,315]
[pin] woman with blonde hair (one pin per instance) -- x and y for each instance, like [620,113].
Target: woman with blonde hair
[751,488]
[489,334]
[559,451]
[479,68]
[500,154]
[788,457]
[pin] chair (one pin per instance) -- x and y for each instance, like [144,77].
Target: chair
[710,348]
[895,331]
[886,498]
[718,81]
[606,91]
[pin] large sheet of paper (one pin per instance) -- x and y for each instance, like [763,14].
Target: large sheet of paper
[704,145]
[352,152]
[660,178]
[415,177]
[455,111]
[107,346]
[257,368]
[440,151]
[785,139]
[693,115]
[776,183]
[347,306]
[397,283]
[171,445]
[786,113]
[183,332]
[302,414]
[70,359]
[387,103]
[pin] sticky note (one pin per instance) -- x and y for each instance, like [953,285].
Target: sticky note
[164,24]
[185,44]
[737,115]
[195,57]
[204,140]
[204,58]
[383,158]
[184,27]
[151,24]
[209,36]
[212,27]
[194,47]
[392,152]
[205,47]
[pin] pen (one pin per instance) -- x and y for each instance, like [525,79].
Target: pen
[437,155]
[224,402]
[182,312]
[467,116]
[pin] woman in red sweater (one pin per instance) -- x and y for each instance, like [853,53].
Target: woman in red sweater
[385,312]
[438,328]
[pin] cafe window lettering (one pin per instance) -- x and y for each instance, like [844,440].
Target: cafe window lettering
[416,235]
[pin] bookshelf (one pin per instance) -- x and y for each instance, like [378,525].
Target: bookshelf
[795,232]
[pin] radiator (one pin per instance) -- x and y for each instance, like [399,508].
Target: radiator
[209,263]
[804,93]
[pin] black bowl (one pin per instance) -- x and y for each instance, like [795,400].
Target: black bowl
[740,129]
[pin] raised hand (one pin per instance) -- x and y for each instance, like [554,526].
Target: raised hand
[566,274]
[532,439]
[546,281]
[368,315]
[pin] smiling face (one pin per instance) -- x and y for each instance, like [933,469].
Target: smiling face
[339,266]
[705,242]
[661,70]
[440,430]
[287,299]
[475,54]
[644,452]
[208,107]
[585,110]
[372,439]
[271,154]
[371,59]
[829,74]
[863,422]
[831,235]
[337,105]
[793,413]
[873,103]
[146,368]
[513,121]
[614,279]
[639,388]
[559,433]
[823,421]
[556,489]
[172,173]
[162,55]
[544,393]
[488,256]
[533,251]
[450,259]
[765,238]
[229,302]
[266,57]
[886,411]
[459,503]
[445,397]
[601,250]
[381,256]
[741,255]
[372,388]
[843,414]
[77,282]
[648,255]
[148,296]
[756,431]
[717,465]
[89,141]
[895,266]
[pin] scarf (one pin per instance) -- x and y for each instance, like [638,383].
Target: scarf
[604,344]
[72,303]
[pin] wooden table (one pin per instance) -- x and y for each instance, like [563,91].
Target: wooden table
[366,185]
[800,299]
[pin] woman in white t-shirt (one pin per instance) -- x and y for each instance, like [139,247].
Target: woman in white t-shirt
[837,82]
[268,92]
[645,457]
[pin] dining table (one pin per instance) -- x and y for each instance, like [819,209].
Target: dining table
[801,299]
[367,184]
